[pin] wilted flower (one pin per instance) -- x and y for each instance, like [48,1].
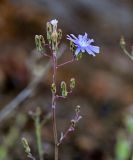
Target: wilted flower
[83,43]
[54,22]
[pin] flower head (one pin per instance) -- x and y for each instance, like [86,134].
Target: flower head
[83,43]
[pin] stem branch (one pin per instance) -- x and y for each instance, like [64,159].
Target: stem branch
[62,64]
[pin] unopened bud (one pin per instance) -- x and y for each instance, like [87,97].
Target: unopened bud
[53,88]
[49,31]
[72,83]
[59,34]
[49,27]
[64,89]
[39,41]
[26,145]
[72,47]
[54,36]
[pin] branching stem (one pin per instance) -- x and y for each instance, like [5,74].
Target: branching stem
[62,64]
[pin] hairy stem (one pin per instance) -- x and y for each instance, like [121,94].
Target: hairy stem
[54,107]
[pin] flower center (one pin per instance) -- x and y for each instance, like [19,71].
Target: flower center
[83,43]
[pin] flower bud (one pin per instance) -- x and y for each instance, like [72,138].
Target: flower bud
[72,47]
[26,145]
[49,31]
[59,35]
[72,83]
[54,37]
[53,88]
[39,41]
[64,89]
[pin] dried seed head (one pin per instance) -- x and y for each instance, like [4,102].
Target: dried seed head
[77,109]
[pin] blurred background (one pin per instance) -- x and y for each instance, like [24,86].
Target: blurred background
[104,87]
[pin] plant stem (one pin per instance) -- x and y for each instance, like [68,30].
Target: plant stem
[127,53]
[38,136]
[54,58]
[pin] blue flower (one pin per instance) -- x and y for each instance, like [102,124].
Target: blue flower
[83,43]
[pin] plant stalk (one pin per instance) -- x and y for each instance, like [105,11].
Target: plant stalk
[38,136]
[54,58]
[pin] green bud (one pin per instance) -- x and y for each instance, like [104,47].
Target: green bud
[64,89]
[72,47]
[72,83]
[54,37]
[49,27]
[26,145]
[49,31]
[59,35]
[39,41]
[42,41]
[53,88]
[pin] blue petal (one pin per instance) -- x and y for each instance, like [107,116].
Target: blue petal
[73,36]
[69,38]
[85,36]
[95,49]
[80,36]
[89,51]
[91,40]
[77,51]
